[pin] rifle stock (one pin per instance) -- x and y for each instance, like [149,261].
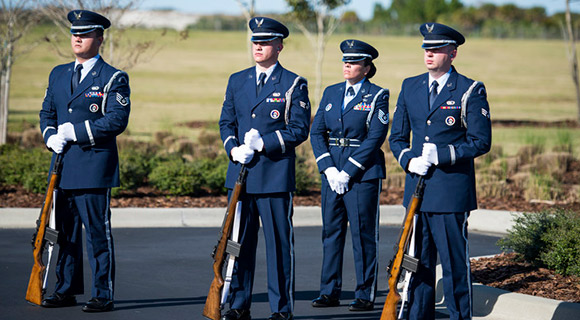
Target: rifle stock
[212,308]
[35,292]
[393,297]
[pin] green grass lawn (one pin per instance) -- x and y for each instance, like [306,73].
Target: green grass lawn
[185,80]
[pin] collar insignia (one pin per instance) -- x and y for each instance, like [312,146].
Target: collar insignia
[429,28]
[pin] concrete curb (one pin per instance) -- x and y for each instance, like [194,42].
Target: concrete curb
[497,304]
[490,221]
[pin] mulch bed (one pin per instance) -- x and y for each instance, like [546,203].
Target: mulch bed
[506,272]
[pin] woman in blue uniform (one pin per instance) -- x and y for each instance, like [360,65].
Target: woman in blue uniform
[347,133]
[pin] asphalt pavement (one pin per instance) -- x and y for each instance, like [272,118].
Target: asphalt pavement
[165,273]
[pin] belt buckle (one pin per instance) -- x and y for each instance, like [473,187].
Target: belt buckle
[341,142]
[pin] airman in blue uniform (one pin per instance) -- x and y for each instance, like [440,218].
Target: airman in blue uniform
[448,116]
[347,133]
[265,116]
[85,107]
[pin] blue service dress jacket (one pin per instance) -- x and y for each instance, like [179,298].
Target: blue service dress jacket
[358,121]
[281,113]
[450,186]
[92,161]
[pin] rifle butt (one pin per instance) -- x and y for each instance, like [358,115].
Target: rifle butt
[390,308]
[212,308]
[34,292]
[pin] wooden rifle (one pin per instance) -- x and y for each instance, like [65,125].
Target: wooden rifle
[400,260]
[212,308]
[36,290]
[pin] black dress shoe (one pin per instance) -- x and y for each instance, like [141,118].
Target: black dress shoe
[325,301]
[281,316]
[237,314]
[57,300]
[361,305]
[98,305]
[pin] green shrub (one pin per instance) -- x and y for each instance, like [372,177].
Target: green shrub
[306,176]
[213,172]
[526,236]
[25,167]
[548,238]
[176,177]
[179,177]
[563,252]
[134,167]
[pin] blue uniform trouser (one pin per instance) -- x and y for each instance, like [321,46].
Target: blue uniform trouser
[359,207]
[88,207]
[275,211]
[446,234]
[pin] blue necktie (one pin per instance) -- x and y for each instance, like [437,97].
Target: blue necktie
[349,93]
[433,95]
[260,83]
[76,78]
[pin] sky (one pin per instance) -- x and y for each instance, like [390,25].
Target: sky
[363,8]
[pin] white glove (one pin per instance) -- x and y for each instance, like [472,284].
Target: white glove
[67,132]
[56,143]
[332,177]
[430,153]
[419,166]
[343,179]
[242,154]
[254,140]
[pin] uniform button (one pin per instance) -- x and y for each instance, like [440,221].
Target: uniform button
[69,110]
[339,119]
[253,115]
[340,132]
[426,138]
[428,122]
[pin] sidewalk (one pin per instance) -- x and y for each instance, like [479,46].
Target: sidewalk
[485,221]
[489,303]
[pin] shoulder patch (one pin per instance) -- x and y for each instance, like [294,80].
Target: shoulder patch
[383,117]
[124,101]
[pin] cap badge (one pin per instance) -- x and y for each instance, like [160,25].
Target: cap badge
[350,44]
[259,22]
[429,28]
[78,14]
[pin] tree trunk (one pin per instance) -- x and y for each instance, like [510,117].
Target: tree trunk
[320,46]
[5,84]
[572,57]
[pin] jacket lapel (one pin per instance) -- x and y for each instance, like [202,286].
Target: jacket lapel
[364,89]
[249,87]
[446,92]
[88,80]
[270,85]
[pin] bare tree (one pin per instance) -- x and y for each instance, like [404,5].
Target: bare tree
[320,16]
[248,10]
[132,51]
[16,18]
[570,39]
